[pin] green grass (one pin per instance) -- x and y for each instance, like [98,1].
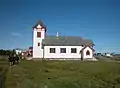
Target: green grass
[3,71]
[64,74]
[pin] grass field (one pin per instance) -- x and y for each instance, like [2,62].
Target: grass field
[3,71]
[63,74]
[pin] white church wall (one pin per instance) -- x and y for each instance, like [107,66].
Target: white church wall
[37,50]
[57,54]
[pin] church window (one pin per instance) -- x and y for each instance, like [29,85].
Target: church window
[38,44]
[87,52]
[38,34]
[73,50]
[52,50]
[62,50]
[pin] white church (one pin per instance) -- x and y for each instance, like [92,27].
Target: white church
[60,47]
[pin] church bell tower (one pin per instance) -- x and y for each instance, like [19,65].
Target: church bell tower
[39,33]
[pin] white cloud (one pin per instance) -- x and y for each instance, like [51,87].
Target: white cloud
[16,34]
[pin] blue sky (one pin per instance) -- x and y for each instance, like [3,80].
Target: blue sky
[98,20]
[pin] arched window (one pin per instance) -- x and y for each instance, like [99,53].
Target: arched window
[38,34]
[87,52]
[38,44]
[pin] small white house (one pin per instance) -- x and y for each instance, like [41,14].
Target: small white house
[108,54]
[60,47]
[18,51]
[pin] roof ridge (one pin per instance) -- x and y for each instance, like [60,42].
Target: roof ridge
[63,36]
[66,40]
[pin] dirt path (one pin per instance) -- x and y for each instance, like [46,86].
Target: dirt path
[1,81]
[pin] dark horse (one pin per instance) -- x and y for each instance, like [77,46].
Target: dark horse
[13,59]
[17,59]
[10,59]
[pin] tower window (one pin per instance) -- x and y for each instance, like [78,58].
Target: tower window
[73,50]
[62,50]
[38,44]
[38,34]
[52,50]
[87,52]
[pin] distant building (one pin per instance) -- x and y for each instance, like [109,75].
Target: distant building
[108,54]
[18,51]
[28,52]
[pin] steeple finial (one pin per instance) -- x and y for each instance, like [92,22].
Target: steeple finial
[57,35]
